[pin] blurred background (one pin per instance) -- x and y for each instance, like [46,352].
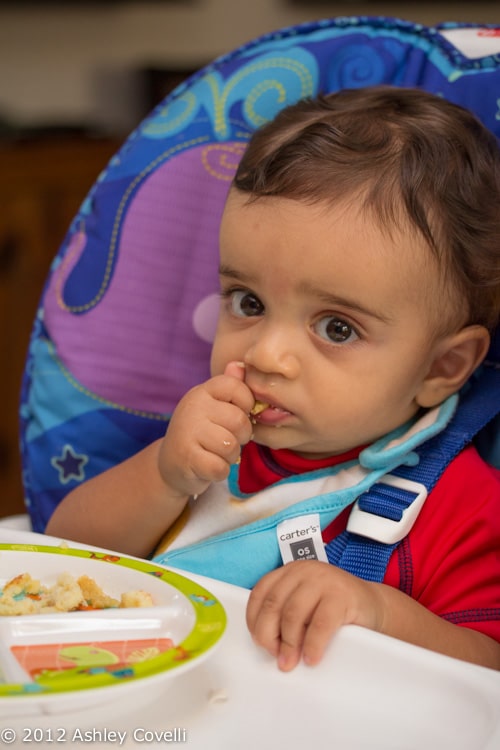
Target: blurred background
[83,63]
[76,77]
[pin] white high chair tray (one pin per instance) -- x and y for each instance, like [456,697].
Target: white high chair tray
[369,693]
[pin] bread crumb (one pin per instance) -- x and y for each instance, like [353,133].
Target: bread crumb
[218,695]
[258,407]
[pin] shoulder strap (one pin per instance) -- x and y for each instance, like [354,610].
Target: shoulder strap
[384,515]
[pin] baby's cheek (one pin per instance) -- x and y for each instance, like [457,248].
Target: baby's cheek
[217,363]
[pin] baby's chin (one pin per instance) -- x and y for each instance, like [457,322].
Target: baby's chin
[280,442]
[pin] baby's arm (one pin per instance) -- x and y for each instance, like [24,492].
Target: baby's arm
[129,507]
[294,611]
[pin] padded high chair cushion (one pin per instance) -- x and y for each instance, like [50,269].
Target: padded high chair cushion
[128,313]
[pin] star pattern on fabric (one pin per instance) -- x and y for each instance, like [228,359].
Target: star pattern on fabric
[70,465]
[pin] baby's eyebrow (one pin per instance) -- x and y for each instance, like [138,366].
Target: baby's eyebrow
[335,300]
[232,273]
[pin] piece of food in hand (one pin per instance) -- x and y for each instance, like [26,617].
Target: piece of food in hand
[258,407]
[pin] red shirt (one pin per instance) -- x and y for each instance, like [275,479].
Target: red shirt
[450,560]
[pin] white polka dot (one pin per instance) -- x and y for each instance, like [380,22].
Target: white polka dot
[205,317]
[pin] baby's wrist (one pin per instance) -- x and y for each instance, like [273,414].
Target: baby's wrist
[173,493]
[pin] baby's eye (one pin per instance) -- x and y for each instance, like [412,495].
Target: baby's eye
[245,304]
[335,330]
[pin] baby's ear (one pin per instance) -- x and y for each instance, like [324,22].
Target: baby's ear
[457,356]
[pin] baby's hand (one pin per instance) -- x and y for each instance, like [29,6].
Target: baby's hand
[206,432]
[294,611]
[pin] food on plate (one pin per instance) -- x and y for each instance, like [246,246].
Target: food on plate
[24,595]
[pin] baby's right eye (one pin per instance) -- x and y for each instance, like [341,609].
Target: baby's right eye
[245,304]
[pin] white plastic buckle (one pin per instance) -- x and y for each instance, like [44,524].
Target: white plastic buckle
[386,530]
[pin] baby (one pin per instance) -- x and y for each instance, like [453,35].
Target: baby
[360,281]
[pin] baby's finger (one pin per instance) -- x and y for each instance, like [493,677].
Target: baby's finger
[280,620]
[232,389]
[224,444]
[235,370]
[263,612]
[324,622]
[297,613]
[217,449]
[231,423]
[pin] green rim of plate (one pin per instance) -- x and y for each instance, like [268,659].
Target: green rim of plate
[209,626]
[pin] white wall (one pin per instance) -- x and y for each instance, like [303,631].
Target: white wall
[64,63]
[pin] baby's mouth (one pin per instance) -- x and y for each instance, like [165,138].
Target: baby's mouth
[265,413]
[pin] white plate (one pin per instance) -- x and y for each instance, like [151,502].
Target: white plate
[62,661]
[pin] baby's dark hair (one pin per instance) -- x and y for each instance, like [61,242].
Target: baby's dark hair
[406,154]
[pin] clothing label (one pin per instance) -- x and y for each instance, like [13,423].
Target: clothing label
[300,539]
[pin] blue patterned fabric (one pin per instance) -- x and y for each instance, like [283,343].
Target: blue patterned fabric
[127,316]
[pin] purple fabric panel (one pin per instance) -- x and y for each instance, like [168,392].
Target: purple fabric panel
[147,341]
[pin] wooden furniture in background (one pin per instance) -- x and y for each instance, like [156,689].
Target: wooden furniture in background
[42,183]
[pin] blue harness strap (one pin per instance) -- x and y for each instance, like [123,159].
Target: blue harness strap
[368,556]
[365,558]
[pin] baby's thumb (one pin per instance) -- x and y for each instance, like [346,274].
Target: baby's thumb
[235,370]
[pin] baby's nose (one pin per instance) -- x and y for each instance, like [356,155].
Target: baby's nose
[274,353]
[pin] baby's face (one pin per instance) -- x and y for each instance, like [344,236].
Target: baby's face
[331,317]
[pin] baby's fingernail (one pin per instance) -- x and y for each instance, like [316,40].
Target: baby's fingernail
[282,662]
[311,660]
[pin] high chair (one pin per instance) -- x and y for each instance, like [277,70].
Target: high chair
[128,313]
